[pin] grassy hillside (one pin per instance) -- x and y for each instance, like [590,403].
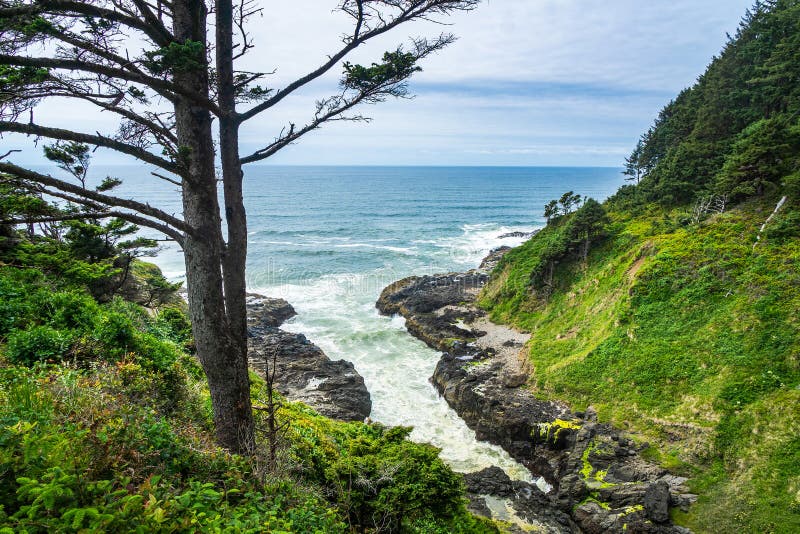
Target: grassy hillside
[687,335]
[681,324]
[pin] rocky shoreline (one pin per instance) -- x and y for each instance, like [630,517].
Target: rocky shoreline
[600,481]
[304,371]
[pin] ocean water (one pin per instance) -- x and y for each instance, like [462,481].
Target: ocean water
[329,239]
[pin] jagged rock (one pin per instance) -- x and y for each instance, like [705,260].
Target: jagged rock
[634,470]
[265,311]
[593,519]
[490,262]
[517,234]
[532,508]
[303,371]
[489,481]
[656,502]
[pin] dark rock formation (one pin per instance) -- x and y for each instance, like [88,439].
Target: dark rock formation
[304,373]
[490,262]
[656,502]
[599,479]
[517,234]
[528,503]
[264,312]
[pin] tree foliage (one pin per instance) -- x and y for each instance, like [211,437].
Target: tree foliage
[735,131]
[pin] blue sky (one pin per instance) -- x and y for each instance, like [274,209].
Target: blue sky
[533,82]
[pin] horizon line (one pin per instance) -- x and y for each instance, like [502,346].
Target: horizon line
[400,166]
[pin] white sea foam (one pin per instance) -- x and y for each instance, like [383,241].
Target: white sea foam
[477,240]
[401,250]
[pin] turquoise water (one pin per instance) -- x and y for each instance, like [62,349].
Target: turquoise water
[328,239]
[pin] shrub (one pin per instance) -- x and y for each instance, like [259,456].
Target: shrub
[40,343]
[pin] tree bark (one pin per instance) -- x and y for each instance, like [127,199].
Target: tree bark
[219,346]
[235,254]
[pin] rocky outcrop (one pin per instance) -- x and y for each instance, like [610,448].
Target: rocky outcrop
[521,505]
[267,312]
[490,262]
[303,372]
[600,482]
[518,234]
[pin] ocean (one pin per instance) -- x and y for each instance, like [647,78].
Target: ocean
[329,239]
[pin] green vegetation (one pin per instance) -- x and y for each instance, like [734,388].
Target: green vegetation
[106,422]
[106,425]
[681,322]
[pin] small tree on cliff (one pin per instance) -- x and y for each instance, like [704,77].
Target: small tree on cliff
[149,63]
[633,164]
[569,201]
[550,210]
[589,222]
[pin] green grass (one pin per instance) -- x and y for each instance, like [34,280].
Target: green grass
[688,336]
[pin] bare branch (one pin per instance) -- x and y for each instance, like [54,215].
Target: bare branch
[327,111]
[370,85]
[151,19]
[167,179]
[13,150]
[130,217]
[409,10]
[98,140]
[166,89]
[94,198]
[158,34]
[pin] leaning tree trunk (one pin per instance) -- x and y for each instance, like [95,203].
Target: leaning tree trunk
[219,347]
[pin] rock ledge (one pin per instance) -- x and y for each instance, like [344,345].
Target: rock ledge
[304,372]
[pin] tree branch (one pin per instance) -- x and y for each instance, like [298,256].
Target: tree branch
[164,88]
[99,140]
[151,19]
[130,217]
[158,34]
[293,135]
[413,9]
[94,198]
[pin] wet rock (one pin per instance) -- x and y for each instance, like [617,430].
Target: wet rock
[265,311]
[424,294]
[303,371]
[516,234]
[489,481]
[490,262]
[493,494]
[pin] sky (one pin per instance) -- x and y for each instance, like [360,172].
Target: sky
[528,82]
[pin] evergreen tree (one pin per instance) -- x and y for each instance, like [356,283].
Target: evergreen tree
[633,164]
[569,201]
[550,210]
[762,155]
[589,223]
